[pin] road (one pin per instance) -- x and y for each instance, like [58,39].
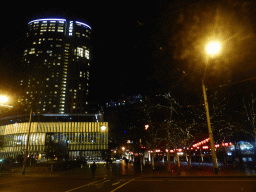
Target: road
[123,178]
[69,184]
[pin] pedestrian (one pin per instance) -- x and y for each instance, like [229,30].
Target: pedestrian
[93,169]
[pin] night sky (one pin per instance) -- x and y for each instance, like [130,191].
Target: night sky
[141,46]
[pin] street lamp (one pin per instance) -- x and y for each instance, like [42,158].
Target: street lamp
[212,49]
[3,99]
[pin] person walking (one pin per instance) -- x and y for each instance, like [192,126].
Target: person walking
[93,169]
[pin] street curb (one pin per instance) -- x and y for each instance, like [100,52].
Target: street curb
[186,177]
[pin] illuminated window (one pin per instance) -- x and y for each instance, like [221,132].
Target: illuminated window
[80,51]
[60,29]
[86,54]
[70,30]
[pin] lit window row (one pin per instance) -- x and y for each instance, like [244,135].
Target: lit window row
[82,52]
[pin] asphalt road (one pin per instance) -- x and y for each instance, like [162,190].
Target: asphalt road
[76,184]
[125,178]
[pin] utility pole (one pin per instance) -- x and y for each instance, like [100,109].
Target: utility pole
[26,151]
[214,157]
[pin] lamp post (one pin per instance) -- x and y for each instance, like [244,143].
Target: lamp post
[27,143]
[211,49]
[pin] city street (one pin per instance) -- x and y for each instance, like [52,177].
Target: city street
[122,177]
[65,184]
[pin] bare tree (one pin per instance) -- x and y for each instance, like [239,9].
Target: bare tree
[251,115]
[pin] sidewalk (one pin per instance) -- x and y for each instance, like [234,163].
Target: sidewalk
[121,170]
[200,170]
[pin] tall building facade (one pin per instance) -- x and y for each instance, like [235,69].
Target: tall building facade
[55,66]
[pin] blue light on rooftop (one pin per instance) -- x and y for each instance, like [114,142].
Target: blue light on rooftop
[48,19]
[83,24]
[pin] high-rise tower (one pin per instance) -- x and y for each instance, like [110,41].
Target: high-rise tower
[56,64]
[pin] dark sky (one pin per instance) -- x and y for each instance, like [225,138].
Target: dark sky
[133,51]
[115,36]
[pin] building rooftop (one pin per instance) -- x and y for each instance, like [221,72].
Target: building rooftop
[52,118]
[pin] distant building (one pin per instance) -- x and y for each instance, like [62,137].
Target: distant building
[55,66]
[125,100]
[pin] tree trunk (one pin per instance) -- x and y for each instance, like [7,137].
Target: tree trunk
[202,156]
[169,160]
[178,164]
[153,160]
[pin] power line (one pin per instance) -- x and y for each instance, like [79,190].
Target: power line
[237,82]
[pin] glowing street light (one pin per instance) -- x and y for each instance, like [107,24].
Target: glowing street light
[212,49]
[3,99]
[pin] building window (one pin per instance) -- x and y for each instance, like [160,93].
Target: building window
[86,54]
[60,29]
[80,52]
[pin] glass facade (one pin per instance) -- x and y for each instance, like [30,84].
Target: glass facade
[80,138]
[55,66]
